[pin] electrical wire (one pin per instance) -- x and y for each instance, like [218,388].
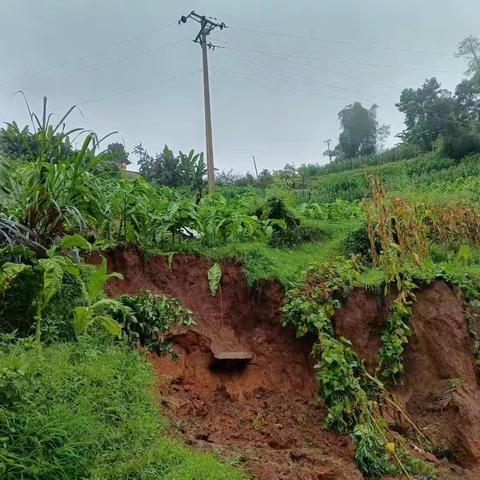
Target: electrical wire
[232,46]
[373,82]
[123,60]
[314,80]
[269,77]
[138,90]
[93,54]
[341,42]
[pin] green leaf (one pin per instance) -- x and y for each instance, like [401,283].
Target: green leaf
[9,272]
[75,241]
[72,268]
[97,281]
[214,277]
[53,270]
[82,318]
[110,304]
[109,324]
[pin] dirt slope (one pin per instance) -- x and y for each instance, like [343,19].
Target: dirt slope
[263,413]
[440,388]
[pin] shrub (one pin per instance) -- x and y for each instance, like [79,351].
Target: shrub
[57,322]
[345,186]
[17,303]
[357,241]
[151,318]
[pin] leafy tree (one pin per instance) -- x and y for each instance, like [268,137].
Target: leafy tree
[170,170]
[467,95]
[265,178]
[360,130]
[426,111]
[469,48]
[287,174]
[228,177]
[117,153]
[435,115]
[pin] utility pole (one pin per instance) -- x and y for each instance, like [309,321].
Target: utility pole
[206,27]
[330,153]
[255,165]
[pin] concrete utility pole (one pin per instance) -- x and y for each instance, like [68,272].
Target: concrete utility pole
[330,153]
[206,26]
[255,165]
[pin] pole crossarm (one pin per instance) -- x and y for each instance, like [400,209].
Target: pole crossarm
[207,25]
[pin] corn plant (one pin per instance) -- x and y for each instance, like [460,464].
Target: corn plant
[395,222]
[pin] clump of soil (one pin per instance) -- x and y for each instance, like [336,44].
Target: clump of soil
[245,386]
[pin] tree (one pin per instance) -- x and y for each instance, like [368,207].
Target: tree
[360,129]
[117,153]
[433,114]
[467,94]
[265,178]
[170,170]
[383,132]
[426,112]
[469,48]
[287,174]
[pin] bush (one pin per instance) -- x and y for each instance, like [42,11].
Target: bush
[357,241]
[309,231]
[17,303]
[345,186]
[151,318]
[87,411]
[17,306]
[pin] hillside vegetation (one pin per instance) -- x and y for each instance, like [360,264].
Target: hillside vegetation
[76,390]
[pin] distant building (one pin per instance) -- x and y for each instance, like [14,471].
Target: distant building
[128,173]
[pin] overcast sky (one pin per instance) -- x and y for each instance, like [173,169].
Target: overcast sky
[131,68]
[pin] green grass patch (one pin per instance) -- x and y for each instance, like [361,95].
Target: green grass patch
[262,262]
[86,410]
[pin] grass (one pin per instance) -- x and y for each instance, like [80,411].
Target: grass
[429,174]
[263,262]
[87,410]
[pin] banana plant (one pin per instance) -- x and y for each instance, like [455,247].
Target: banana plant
[97,308]
[52,270]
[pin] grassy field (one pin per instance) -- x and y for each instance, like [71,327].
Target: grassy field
[88,410]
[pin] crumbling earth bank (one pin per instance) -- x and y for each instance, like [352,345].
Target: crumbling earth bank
[439,389]
[260,411]
[245,386]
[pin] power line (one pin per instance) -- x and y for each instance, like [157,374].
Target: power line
[118,61]
[123,60]
[334,72]
[138,90]
[310,79]
[258,78]
[232,46]
[342,42]
[70,61]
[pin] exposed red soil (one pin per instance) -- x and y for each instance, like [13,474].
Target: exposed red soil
[265,413]
[439,389]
